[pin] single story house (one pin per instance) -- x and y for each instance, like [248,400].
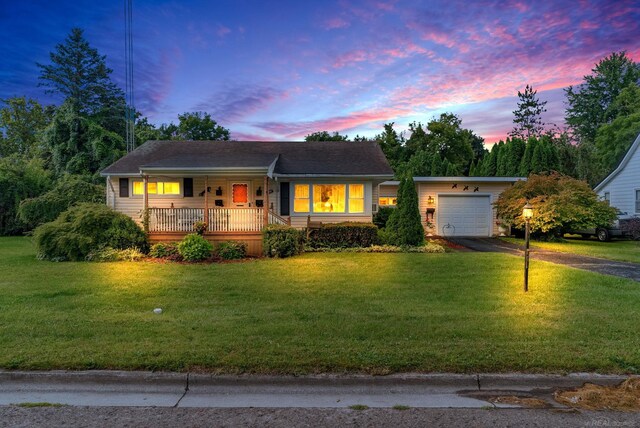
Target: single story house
[455,206]
[238,187]
[622,187]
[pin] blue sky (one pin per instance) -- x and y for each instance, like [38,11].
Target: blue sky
[278,70]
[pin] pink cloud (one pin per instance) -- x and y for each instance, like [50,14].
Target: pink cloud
[222,31]
[336,23]
[587,25]
[293,130]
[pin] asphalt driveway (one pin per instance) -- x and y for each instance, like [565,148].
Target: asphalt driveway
[594,264]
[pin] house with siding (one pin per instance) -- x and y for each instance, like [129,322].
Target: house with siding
[238,187]
[455,206]
[622,187]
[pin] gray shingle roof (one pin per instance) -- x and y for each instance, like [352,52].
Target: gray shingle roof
[292,158]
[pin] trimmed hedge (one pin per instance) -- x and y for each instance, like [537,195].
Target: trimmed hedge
[344,235]
[282,241]
[84,228]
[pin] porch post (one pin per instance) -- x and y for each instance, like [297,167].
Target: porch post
[145,199]
[265,203]
[206,200]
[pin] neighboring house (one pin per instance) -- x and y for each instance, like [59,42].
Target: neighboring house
[455,206]
[622,187]
[239,187]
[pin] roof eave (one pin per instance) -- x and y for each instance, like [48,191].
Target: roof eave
[625,160]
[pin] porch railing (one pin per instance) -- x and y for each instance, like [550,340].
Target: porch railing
[235,219]
[220,219]
[174,219]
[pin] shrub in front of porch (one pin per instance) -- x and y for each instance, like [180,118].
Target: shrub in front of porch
[231,250]
[84,228]
[164,250]
[344,235]
[194,248]
[281,241]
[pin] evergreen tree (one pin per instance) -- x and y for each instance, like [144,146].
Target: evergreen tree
[405,224]
[527,118]
[589,104]
[539,159]
[525,163]
[436,166]
[517,148]
[80,74]
[501,159]
[472,169]
[490,164]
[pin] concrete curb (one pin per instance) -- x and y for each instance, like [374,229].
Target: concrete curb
[481,381]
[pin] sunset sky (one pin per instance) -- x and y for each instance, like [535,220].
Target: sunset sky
[278,70]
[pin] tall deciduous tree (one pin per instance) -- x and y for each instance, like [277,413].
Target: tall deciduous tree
[326,136]
[200,126]
[589,103]
[528,116]
[80,74]
[391,145]
[22,119]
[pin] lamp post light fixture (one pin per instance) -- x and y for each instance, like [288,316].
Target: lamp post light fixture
[527,213]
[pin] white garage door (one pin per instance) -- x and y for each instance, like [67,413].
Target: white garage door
[464,215]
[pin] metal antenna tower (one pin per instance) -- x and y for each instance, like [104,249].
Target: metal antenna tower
[130,110]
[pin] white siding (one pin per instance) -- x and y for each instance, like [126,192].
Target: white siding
[133,205]
[622,188]
[492,190]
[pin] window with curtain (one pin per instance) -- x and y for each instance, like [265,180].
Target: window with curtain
[356,198]
[301,198]
[329,198]
[157,188]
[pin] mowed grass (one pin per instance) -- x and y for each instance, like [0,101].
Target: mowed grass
[371,313]
[617,249]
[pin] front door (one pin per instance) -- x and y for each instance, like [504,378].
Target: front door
[240,195]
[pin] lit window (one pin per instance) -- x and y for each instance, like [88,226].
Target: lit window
[329,198]
[356,198]
[157,188]
[301,198]
[387,201]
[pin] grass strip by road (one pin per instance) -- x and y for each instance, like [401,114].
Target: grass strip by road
[368,313]
[621,250]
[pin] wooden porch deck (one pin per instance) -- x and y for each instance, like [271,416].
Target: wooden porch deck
[225,224]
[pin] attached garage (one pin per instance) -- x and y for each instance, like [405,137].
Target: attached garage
[455,206]
[464,215]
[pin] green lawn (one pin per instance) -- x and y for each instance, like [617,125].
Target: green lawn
[623,250]
[373,313]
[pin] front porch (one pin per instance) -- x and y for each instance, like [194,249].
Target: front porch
[219,220]
[223,224]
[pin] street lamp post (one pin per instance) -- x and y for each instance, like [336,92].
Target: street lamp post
[527,213]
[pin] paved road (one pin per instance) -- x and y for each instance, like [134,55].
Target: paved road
[594,264]
[141,417]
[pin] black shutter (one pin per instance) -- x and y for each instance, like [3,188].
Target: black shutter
[284,198]
[124,187]
[188,187]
